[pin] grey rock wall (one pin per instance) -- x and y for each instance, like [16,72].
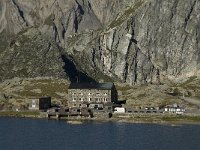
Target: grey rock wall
[139,41]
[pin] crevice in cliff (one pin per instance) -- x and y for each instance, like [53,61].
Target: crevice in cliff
[135,65]
[173,10]
[198,43]
[21,13]
[79,8]
[125,74]
[55,33]
[78,16]
[113,52]
[76,23]
[93,58]
[198,35]
[89,5]
[189,14]
[63,30]
[126,68]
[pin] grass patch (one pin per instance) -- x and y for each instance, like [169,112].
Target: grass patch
[127,13]
[49,20]
[19,114]
[160,118]
[123,88]
[189,81]
[181,118]
[142,95]
[47,87]
[21,90]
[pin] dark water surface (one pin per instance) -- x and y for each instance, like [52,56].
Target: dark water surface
[32,134]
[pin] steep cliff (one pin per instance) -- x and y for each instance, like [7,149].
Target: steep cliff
[131,41]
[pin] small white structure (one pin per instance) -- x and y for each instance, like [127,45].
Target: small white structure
[119,110]
[174,109]
[180,111]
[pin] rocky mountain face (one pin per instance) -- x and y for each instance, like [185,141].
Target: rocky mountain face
[130,41]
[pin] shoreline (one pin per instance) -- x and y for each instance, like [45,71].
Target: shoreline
[172,120]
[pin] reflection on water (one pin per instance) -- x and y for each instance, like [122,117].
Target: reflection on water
[30,134]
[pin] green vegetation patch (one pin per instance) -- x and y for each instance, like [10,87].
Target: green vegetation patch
[19,114]
[123,88]
[49,20]
[126,14]
[181,118]
[191,80]
[47,87]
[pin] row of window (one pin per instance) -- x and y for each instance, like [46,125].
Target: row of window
[89,94]
[90,99]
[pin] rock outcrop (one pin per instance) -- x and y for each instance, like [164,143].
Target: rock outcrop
[131,41]
[30,54]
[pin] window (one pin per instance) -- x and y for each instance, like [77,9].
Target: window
[89,99]
[33,103]
[73,93]
[80,93]
[105,99]
[74,99]
[89,93]
[74,105]
[97,93]
[80,99]
[105,93]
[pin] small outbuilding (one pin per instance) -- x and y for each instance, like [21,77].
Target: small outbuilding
[119,110]
[109,107]
[42,103]
[174,109]
[74,111]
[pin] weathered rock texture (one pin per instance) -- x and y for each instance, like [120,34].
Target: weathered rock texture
[132,41]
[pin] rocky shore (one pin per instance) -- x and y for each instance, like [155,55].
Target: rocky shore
[133,118]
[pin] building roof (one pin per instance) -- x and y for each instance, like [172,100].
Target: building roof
[96,103]
[112,104]
[85,102]
[39,97]
[99,86]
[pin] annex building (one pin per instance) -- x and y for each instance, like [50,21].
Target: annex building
[42,103]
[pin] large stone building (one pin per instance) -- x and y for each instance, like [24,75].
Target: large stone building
[92,95]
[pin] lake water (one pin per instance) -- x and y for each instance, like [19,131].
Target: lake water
[32,134]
